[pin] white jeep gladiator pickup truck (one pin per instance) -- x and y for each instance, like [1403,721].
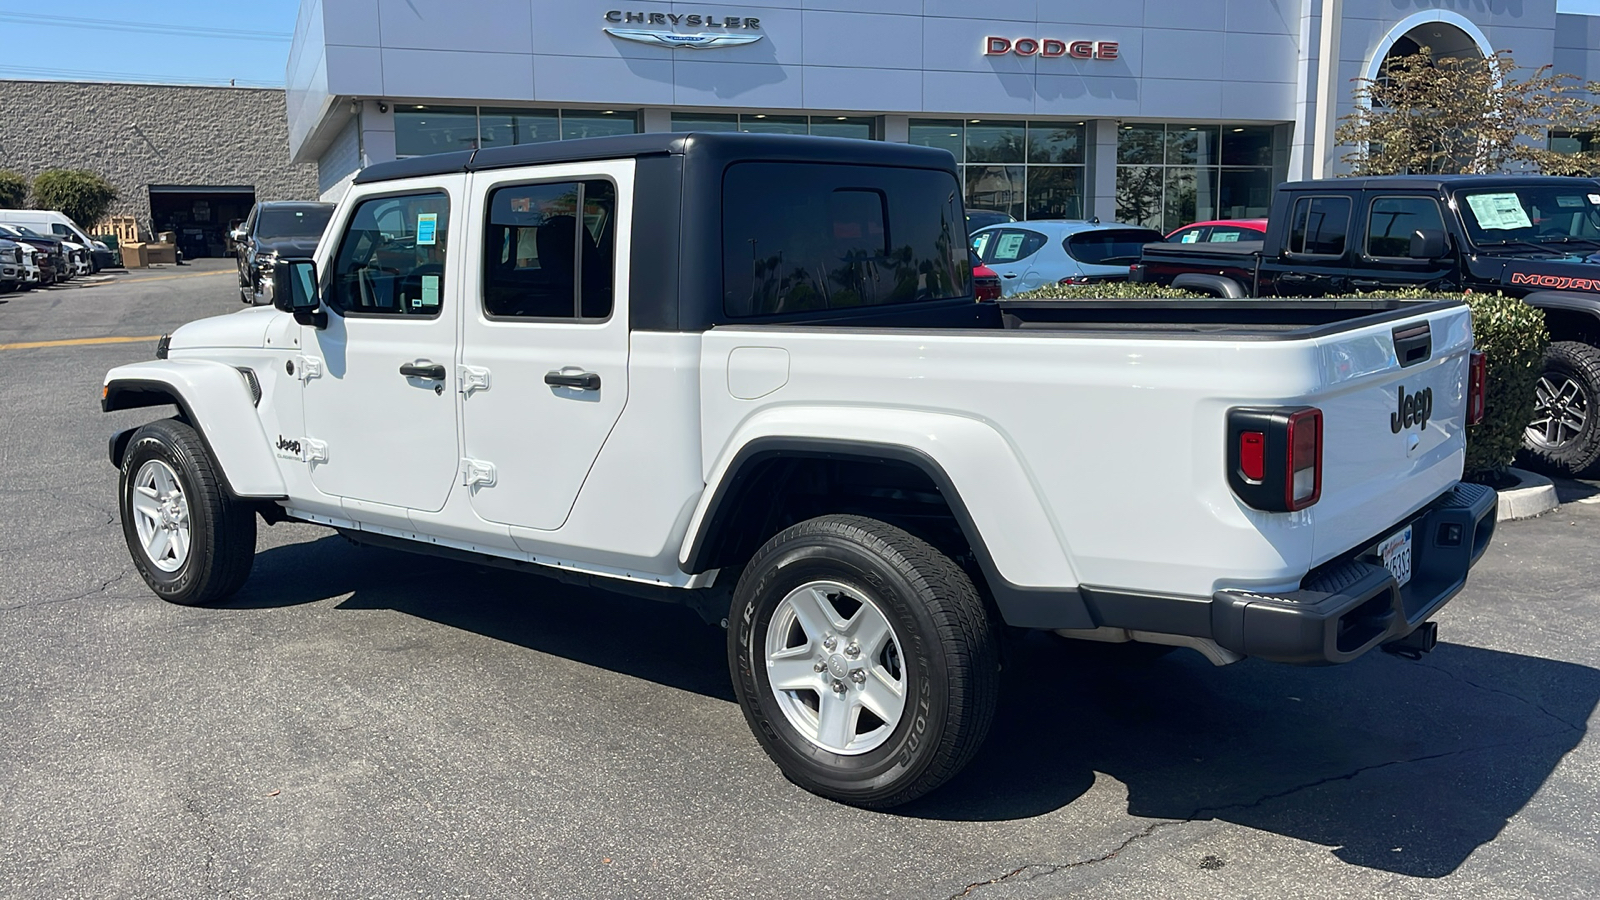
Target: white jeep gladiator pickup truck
[748,371]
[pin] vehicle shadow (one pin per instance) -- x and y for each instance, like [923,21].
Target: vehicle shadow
[1402,766]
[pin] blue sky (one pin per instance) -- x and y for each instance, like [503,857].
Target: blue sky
[92,43]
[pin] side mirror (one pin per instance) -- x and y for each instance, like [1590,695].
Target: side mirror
[293,289]
[1428,243]
[236,236]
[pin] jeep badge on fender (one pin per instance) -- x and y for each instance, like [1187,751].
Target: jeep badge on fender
[1411,410]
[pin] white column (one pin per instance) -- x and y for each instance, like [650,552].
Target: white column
[1100,180]
[895,128]
[1327,112]
[655,119]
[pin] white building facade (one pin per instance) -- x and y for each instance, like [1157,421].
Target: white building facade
[1153,111]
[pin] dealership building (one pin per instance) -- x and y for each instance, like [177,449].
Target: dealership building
[1156,111]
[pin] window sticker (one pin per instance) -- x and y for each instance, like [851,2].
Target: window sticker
[1573,202]
[1191,237]
[1499,212]
[1008,246]
[1595,199]
[428,229]
[980,242]
[1225,237]
[430,292]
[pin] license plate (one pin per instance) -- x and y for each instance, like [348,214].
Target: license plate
[1395,550]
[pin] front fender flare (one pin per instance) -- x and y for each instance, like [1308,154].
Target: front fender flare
[216,401]
[994,500]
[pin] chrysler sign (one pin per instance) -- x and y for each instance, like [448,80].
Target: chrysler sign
[1050,47]
[747,33]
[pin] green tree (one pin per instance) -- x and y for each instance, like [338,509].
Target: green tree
[84,196]
[1466,116]
[13,190]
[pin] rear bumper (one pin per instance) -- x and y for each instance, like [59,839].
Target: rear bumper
[1341,609]
[1349,606]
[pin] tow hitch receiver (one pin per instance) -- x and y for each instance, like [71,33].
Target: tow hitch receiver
[1418,642]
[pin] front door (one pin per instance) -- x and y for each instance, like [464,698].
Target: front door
[380,402]
[544,338]
[1385,263]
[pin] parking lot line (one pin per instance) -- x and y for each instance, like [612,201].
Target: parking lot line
[79,342]
[134,281]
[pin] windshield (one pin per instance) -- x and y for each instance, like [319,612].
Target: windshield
[282,223]
[24,231]
[1532,214]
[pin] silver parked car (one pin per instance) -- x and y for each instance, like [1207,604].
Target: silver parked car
[1031,254]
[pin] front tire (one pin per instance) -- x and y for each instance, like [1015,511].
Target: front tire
[1564,436]
[865,661]
[190,541]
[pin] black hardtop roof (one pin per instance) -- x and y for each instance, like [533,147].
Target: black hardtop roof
[727,146]
[295,204]
[1432,182]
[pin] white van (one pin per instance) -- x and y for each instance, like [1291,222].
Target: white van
[59,225]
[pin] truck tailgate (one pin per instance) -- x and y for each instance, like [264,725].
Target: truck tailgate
[1394,407]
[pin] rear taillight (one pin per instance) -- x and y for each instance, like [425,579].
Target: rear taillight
[1275,456]
[1477,386]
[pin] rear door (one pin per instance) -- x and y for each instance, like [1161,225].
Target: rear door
[1013,254]
[544,359]
[1384,261]
[1316,262]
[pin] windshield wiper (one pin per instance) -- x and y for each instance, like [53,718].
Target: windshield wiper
[1510,243]
[1573,240]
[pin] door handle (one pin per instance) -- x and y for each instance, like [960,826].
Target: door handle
[1365,283]
[1293,277]
[425,370]
[583,381]
[1009,275]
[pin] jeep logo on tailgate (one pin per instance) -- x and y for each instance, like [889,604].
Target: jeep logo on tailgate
[1411,409]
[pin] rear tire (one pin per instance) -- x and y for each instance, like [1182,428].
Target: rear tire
[191,542]
[885,659]
[1564,436]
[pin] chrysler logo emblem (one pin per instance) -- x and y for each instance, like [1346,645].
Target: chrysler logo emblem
[692,41]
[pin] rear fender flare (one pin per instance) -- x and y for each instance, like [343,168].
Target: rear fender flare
[1582,312]
[216,401]
[1217,285]
[996,503]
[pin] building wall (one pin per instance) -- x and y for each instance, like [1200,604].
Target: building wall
[137,135]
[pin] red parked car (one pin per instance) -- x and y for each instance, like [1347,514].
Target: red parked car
[1220,231]
[985,281]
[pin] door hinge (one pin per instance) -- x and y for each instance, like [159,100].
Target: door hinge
[308,367]
[316,451]
[471,378]
[476,471]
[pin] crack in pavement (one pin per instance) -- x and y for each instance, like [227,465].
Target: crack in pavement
[1575,726]
[104,586]
[1206,813]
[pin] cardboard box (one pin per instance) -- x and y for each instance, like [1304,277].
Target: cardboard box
[162,253]
[134,255]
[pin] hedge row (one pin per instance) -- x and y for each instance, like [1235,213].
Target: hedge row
[1511,333]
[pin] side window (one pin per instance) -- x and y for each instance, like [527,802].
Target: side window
[1015,245]
[391,257]
[1319,226]
[1392,220]
[62,230]
[548,251]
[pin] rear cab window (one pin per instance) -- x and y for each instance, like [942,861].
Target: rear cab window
[1318,226]
[804,237]
[1392,219]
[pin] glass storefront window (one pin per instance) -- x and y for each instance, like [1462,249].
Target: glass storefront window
[602,123]
[504,127]
[942,133]
[998,188]
[704,122]
[1192,145]
[1247,145]
[1139,196]
[1056,142]
[424,130]
[1055,192]
[764,124]
[1141,145]
[995,142]
[1191,195]
[1245,194]
[858,127]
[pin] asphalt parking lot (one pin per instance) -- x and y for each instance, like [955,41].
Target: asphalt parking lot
[363,723]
